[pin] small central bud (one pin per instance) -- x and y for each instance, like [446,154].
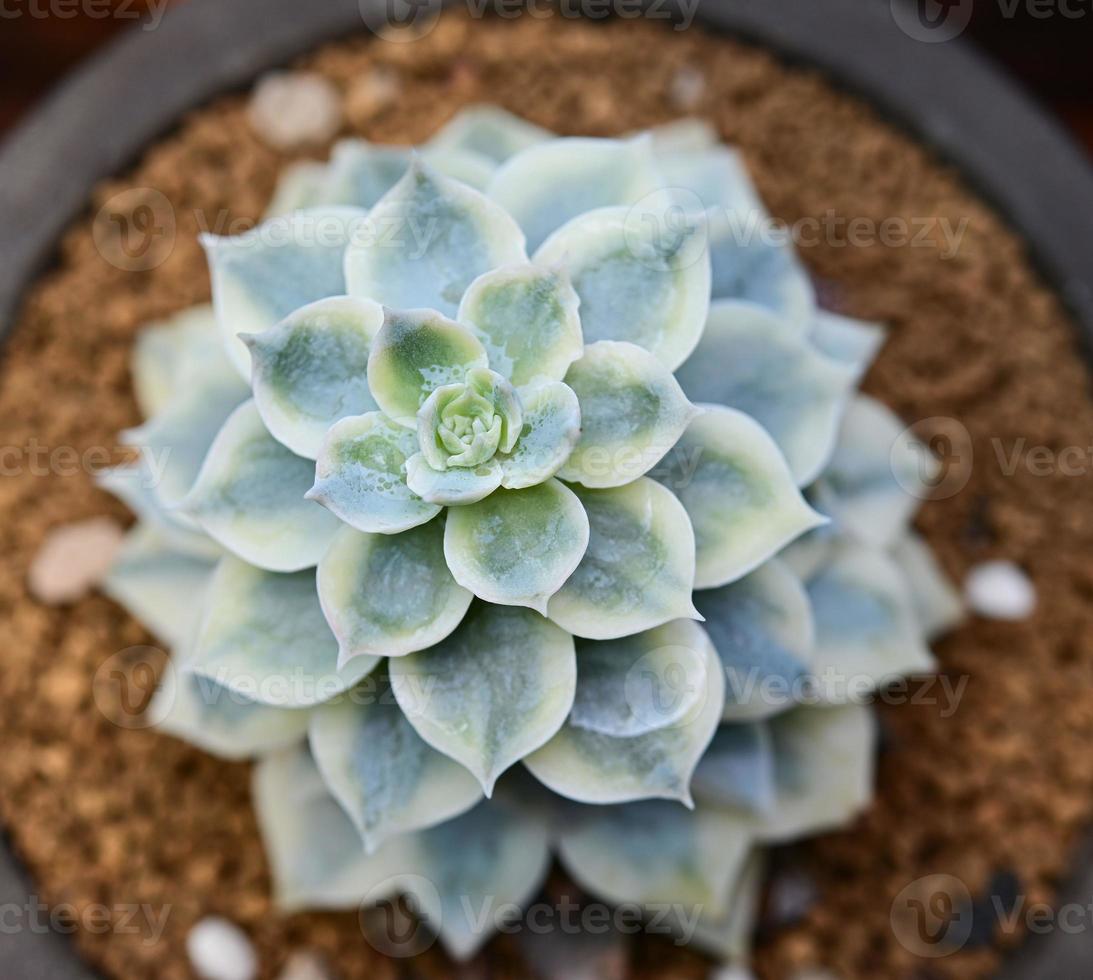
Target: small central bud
[466,424]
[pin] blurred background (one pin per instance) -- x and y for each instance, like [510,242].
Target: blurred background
[40,40]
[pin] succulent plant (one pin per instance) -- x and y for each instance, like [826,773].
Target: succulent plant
[414,508]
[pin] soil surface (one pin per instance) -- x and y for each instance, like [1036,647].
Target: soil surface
[995,792]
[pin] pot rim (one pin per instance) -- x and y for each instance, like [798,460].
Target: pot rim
[946,95]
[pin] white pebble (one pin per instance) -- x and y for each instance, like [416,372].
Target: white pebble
[294,109]
[1000,590]
[220,950]
[731,973]
[305,966]
[73,559]
[687,87]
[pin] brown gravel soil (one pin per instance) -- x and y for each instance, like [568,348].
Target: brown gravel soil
[995,793]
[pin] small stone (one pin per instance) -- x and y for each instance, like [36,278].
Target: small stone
[369,94]
[731,973]
[73,559]
[687,87]
[220,950]
[1000,590]
[290,110]
[305,965]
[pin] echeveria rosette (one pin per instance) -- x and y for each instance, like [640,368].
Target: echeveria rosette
[456,522]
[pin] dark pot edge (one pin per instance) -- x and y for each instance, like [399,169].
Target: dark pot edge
[946,95]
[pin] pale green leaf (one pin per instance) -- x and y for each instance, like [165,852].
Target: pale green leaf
[426,240]
[656,854]
[386,595]
[591,767]
[310,370]
[360,475]
[379,769]
[493,691]
[414,353]
[752,360]
[641,276]
[260,277]
[551,428]
[221,722]
[517,547]
[526,317]
[250,497]
[868,631]
[739,493]
[264,637]
[638,570]
[640,683]
[456,486]
[632,412]
[547,184]
[763,630]
[824,761]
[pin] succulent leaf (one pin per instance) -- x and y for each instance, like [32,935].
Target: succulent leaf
[160,585]
[517,547]
[360,475]
[710,177]
[632,412]
[823,770]
[549,183]
[490,131]
[310,370]
[656,853]
[489,860]
[738,491]
[876,479]
[551,428]
[640,683]
[737,770]
[867,629]
[452,487]
[414,353]
[762,628]
[591,767]
[746,265]
[134,485]
[842,338]
[220,721]
[250,497]
[642,276]
[493,691]
[426,240]
[728,936]
[386,595]
[259,278]
[163,354]
[526,318]
[314,851]
[385,776]
[638,570]
[937,604]
[301,185]
[751,360]
[178,437]
[264,637]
